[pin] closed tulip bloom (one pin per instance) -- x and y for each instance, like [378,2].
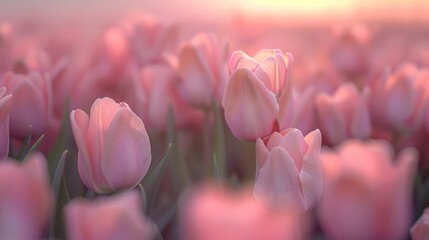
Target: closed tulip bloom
[32,103]
[368,194]
[420,229]
[108,218]
[395,99]
[288,169]
[203,70]
[258,95]
[114,148]
[25,198]
[345,114]
[210,213]
[5,105]
[158,93]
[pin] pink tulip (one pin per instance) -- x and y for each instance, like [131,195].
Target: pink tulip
[25,198]
[32,103]
[209,213]
[420,229]
[114,148]
[258,96]
[158,93]
[396,99]
[349,49]
[345,114]
[5,105]
[367,194]
[108,218]
[288,169]
[141,37]
[203,70]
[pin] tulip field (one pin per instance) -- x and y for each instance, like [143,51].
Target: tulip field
[140,126]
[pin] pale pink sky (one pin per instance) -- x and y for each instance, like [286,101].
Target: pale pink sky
[217,10]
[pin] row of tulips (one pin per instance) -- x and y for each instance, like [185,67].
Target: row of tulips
[141,125]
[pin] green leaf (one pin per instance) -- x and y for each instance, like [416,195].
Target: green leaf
[25,146]
[178,167]
[35,145]
[60,196]
[219,141]
[61,142]
[152,180]
[143,197]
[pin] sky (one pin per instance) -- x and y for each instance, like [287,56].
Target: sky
[191,10]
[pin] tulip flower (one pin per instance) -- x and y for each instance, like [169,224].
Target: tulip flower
[420,229]
[368,194]
[210,213]
[32,103]
[397,100]
[258,95]
[157,94]
[108,218]
[345,114]
[288,169]
[114,148]
[203,70]
[349,49]
[5,105]
[25,198]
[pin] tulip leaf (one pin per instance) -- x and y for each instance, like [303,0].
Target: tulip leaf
[143,197]
[35,145]
[61,143]
[216,172]
[25,146]
[178,168]
[219,141]
[152,180]
[60,196]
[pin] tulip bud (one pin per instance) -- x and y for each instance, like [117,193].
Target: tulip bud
[288,169]
[108,218]
[368,194]
[345,114]
[32,103]
[114,148]
[25,198]
[203,69]
[258,96]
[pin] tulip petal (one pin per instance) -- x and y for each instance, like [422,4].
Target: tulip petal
[293,142]
[400,102]
[311,170]
[79,121]
[250,108]
[127,152]
[361,122]
[197,79]
[261,155]
[332,123]
[278,180]
[239,59]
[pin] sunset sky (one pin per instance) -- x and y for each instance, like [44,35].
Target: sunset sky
[189,10]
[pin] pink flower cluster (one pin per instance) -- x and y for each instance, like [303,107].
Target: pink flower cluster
[138,134]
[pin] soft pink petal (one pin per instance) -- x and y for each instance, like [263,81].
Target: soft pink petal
[311,175]
[332,122]
[125,139]
[293,142]
[361,122]
[250,109]
[278,180]
[197,84]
